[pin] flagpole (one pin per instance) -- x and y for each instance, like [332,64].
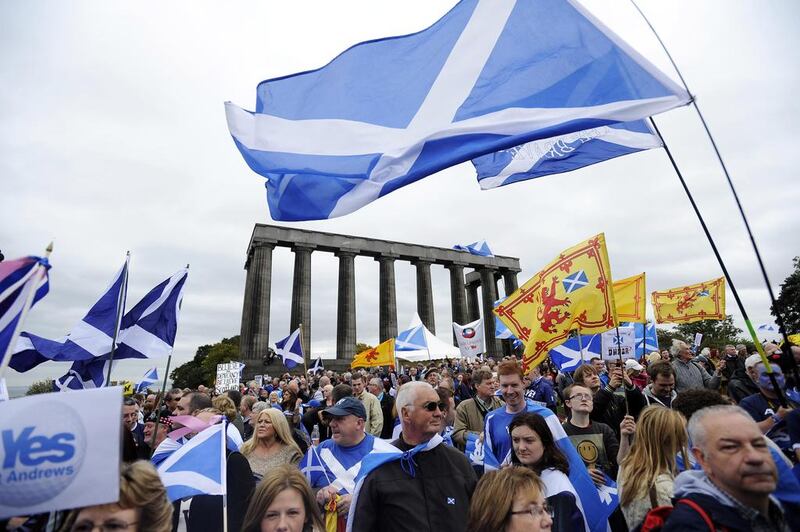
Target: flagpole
[303,350]
[727,275]
[580,346]
[37,270]
[120,310]
[224,477]
[622,368]
[778,316]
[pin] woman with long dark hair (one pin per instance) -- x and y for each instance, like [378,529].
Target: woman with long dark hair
[533,447]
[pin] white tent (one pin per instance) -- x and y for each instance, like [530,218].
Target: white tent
[436,349]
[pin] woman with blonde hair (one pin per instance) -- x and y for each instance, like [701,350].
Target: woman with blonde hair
[272,444]
[283,501]
[509,500]
[647,474]
[142,506]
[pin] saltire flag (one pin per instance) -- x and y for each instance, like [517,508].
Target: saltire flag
[572,292]
[469,338]
[480,248]
[473,448]
[197,467]
[413,338]
[291,349]
[609,495]
[380,355]
[148,331]
[89,338]
[767,327]
[564,153]
[687,304]
[338,466]
[317,367]
[567,356]
[23,283]
[488,76]
[150,377]
[645,337]
[630,298]
[497,454]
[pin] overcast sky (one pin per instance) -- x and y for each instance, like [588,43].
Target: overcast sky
[114,138]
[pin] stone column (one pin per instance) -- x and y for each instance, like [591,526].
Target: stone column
[425,294]
[458,295]
[346,310]
[510,281]
[255,312]
[387,321]
[473,305]
[301,294]
[489,296]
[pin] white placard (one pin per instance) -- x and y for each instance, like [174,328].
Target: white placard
[259,380]
[469,338]
[54,455]
[228,376]
[612,347]
[698,337]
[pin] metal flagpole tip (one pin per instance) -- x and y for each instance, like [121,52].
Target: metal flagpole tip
[49,248]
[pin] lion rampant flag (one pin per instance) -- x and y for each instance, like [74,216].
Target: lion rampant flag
[380,355]
[630,299]
[687,304]
[571,292]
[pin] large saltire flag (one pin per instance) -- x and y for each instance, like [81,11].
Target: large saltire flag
[488,76]
[380,355]
[564,153]
[573,291]
[630,298]
[687,304]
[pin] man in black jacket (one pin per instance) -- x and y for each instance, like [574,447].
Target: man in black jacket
[429,491]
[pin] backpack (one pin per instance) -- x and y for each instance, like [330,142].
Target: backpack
[656,518]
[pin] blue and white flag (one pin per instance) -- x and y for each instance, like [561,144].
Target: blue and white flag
[290,350]
[646,337]
[23,282]
[473,448]
[480,248]
[567,356]
[412,339]
[488,76]
[767,327]
[564,153]
[197,467]
[317,367]
[150,377]
[609,495]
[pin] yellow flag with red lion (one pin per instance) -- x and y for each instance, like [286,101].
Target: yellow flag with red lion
[380,355]
[687,304]
[573,291]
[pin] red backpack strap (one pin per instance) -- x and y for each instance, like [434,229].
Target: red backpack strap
[696,507]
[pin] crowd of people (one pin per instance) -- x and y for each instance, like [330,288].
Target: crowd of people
[684,441]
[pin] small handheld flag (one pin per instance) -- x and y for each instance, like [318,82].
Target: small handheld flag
[687,304]
[196,468]
[291,350]
[150,377]
[317,367]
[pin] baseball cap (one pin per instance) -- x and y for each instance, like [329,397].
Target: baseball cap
[632,364]
[347,406]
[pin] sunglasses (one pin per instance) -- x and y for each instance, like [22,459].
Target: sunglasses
[431,406]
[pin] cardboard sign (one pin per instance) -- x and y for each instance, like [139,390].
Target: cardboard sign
[469,338]
[259,380]
[228,376]
[53,454]
[612,347]
[698,337]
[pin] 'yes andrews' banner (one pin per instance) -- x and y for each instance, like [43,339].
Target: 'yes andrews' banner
[51,457]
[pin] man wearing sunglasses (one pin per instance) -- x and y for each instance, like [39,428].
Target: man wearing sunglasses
[434,480]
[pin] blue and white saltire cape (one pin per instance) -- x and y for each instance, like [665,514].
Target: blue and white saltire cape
[488,76]
[197,467]
[290,349]
[497,451]
[564,153]
[150,377]
[23,282]
[567,356]
[480,248]
[376,459]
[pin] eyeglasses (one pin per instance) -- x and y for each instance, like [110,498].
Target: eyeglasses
[536,511]
[431,406]
[108,526]
[585,396]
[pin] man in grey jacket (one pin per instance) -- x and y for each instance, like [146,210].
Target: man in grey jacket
[690,375]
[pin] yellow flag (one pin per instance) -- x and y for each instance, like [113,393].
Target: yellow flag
[381,355]
[630,299]
[795,339]
[687,304]
[570,292]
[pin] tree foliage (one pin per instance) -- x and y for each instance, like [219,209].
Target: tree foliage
[716,333]
[788,302]
[202,369]
[45,386]
[361,346]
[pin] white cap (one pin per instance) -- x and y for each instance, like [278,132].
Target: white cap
[752,360]
[632,364]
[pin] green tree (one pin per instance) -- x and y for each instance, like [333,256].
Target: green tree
[716,333]
[361,346]
[665,337]
[45,386]
[202,369]
[788,302]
